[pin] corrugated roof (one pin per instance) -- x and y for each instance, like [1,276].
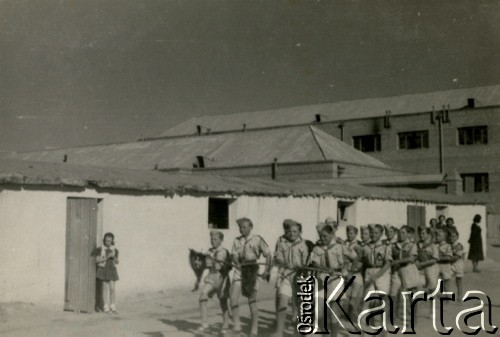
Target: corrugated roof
[345,110]
[25,173]
[295,144]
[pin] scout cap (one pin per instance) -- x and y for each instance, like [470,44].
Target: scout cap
[320,226]
[351,227]
[241,221]
[331,221]
[287,223]
[217,233]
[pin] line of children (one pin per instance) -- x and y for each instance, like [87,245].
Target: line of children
[398,263]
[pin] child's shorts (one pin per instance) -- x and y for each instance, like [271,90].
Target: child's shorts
[356,288]
[445,271]
[458,268]
[284,286]
[383,283]
[431,276]
[237,278]
[395,284]
[215,283]
[333,283]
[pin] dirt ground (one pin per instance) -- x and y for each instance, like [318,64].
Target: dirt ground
[175,313]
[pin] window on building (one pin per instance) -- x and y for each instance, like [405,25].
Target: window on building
[345,212]
[218,213]
[475,182]
[473,135]
[368,143]
[413,140]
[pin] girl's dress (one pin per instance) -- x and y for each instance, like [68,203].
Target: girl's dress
[106,271]
[476,243]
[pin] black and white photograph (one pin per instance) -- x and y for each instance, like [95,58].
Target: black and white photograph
[247,168]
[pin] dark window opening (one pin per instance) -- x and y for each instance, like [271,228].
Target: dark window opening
[475,182]
[413,140]
[368,143]
[218,213]
[473,135]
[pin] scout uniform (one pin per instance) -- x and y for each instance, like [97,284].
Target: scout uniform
[354,269]
[248,251]
[375,255]
[395,277]
[289,253]
[217,280]
[331,257]
[457,267]
[426,252]
[445,250]
[406,249]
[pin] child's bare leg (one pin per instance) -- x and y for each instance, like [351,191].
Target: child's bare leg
[254,313]
[281,315]
[207,288]
[105,295]
[459,287]
[235,307]
[224,305]
[112,295]
[447,285]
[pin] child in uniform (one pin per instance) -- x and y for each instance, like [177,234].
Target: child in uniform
[391,234]
[404,257]
[246,250]
[457,266]
[291,253]
[329,255]
[428,255]
[355,268]
[365,236]
[377,258]
[445,256]
[107,259]
[216,281]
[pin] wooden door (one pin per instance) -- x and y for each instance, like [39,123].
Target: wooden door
[416,217]
[81,232]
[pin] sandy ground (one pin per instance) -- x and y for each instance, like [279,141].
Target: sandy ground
[175,314]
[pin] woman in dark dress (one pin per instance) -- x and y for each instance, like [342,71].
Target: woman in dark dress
[476,244]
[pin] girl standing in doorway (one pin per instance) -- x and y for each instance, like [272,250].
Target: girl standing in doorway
[107,259]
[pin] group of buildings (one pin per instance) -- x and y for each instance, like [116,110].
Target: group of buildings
[398,160]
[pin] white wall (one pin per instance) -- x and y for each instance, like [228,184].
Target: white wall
[153,234]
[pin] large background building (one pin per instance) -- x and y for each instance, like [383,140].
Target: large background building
[452,132]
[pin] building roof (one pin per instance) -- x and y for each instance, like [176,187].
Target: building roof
[56,175]
[398,180]
[294,144]
[345,110]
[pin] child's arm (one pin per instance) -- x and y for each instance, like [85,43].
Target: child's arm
[115,258]
[410,259]
[98,257]
[278,254]
[267,254]
[235,257]
[447,255]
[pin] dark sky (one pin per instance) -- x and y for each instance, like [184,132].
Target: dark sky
[94,71]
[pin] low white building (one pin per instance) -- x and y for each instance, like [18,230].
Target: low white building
[53,215]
